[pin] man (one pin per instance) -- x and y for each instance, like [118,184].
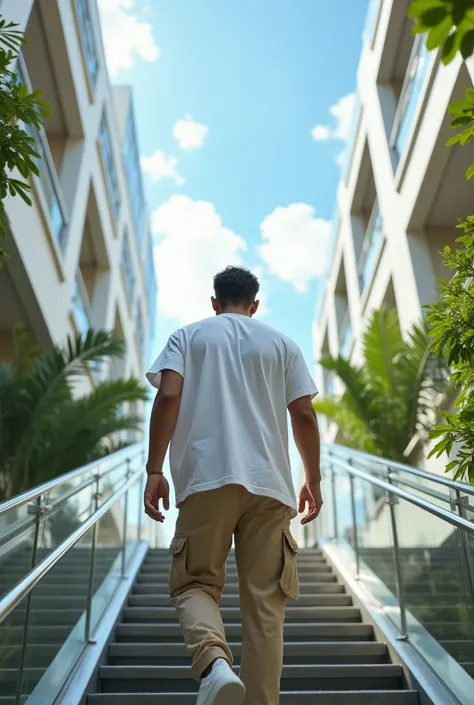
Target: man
[225,384]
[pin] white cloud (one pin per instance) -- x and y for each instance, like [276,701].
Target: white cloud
[190,134]
[159,166]
[192,246]
[295,244]
[342,113]
[321,133]
[125,35]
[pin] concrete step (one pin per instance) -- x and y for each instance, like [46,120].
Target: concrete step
[232,571]
[171,632]
[66,617]
[229,614]
[447,631]
[159,679]
[8,679]
[296,653]
[37,656]
[327,588]
[461,649]
[233,601]
[394,697]
[38,634]
[232,580]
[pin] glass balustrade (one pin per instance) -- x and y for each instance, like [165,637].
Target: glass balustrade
[418,566]
[43,637]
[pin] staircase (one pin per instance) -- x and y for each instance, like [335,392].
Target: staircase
[56,606]
[330,657]
[436,594]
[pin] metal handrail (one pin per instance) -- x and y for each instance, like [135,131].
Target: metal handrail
[31,580]
[31,495]
[391,489]
[361,457]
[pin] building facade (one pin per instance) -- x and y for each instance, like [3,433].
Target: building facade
[81,257]
[401,193]
[402,190]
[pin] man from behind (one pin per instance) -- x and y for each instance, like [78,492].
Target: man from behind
[224,387]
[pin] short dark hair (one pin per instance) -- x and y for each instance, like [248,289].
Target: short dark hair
[236,286]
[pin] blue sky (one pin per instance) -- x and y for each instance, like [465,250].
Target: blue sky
[242,111]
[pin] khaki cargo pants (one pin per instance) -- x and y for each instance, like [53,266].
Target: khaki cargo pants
[265,553]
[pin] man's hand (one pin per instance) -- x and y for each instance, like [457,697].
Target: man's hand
[157,488]
[310,497]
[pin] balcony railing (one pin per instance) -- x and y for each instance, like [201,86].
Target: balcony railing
[370,247]
[80,306]
[410,96]
[88,39]
[48,178]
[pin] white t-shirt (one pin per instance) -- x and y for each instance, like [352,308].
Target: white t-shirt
[239,377]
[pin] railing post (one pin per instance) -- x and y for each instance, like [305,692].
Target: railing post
[140,501]
[90,588]
[334,503]
[125,524]
[39,509]
[355,532]
[392,502]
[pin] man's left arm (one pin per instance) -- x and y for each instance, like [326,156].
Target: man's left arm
[162,424]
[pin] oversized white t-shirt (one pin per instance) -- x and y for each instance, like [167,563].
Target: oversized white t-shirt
[239,377]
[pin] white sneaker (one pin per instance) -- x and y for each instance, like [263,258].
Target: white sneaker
[221,686]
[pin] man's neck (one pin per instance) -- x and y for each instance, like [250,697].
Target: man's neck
[236,309]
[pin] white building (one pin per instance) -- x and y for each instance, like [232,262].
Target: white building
[401,192]
[81,256]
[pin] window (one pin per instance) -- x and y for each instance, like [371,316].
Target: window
[346,330]
[410,96]
[134,175]
[80,307]
[88,39]
[151,286]
[127,267]
[109,165]
[370,247]
[140,334]
[371,20]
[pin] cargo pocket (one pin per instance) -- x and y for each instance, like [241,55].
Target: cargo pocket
[289,578]
[178,577]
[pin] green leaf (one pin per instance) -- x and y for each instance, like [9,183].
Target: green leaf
[453,140]
[439,34]
[462,120]
[470,172]
[418,7]
[470,95]
[450,48]
[435,16]
[467,45]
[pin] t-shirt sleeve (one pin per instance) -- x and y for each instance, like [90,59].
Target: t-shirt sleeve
[299,382]
[171,358]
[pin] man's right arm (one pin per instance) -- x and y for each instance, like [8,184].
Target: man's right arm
[306,434]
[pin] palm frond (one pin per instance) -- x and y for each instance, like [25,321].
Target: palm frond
[355,433]
[25,350]
[357,390]
[47,386]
